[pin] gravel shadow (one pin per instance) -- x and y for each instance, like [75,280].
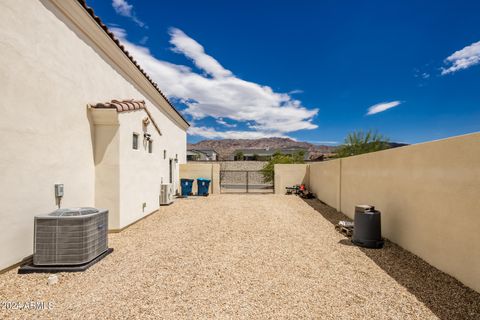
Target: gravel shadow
[445,296]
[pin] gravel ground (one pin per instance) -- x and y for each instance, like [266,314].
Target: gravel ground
[244,256]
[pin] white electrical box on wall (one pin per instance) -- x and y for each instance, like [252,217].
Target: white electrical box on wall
[59,190]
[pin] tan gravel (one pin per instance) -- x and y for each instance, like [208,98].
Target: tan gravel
[244,256]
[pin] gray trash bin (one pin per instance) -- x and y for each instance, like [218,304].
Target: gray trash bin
[368,229]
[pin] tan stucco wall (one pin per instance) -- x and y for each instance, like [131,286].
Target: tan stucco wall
[429,196]
[288,175]
[202,170]
[325,182]
[50,72]
[215,184]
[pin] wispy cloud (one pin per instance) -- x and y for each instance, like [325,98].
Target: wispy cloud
[322,142]
[380,107]
[226,124]
[216,92]
[463,59]
[211,133]
[422,75]
[143,40]
[194,51]
[296,91]
[123,8]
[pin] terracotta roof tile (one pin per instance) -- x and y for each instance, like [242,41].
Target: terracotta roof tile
[126,105]
[119,44]
[121,105]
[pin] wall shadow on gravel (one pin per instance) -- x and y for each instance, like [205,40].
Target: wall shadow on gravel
[445,296]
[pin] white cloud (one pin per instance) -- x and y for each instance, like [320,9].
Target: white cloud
[117,31]
[463,59]
[219,93]
[295,91]
[224,123]
[425,75]
[123,8]
[211,133]
[322,142]
[143,40]
[421,74]
[193,50]
[380,107]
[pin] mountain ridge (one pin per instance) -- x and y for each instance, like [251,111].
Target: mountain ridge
[226,147]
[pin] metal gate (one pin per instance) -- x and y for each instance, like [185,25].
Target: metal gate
[244,181]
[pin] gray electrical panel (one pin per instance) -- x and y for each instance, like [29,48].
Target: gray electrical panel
[59,190]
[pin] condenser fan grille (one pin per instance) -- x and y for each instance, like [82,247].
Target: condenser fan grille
[73,212]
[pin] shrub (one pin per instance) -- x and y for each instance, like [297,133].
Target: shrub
[359,142]
[279,158]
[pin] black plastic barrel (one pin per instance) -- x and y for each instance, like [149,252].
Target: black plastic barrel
[367,231]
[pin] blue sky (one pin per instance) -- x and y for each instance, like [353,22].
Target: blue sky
[309,70]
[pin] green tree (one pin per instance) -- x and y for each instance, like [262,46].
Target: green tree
[359,142]
[279,158]
[239,156]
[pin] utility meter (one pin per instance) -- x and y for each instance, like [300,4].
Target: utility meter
[59,190]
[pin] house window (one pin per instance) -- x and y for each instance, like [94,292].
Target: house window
[150,146]
[135,141]
[164,154]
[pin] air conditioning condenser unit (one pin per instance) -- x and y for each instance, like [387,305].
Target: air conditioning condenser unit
[70,236]
[166,194]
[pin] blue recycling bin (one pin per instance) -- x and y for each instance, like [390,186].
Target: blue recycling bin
[203,185]
[186,185]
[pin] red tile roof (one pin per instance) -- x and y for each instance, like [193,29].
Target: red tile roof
[121,105]
[126,105]
[121,46]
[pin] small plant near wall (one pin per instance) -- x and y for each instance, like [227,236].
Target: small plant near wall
[279,158]
[360,142]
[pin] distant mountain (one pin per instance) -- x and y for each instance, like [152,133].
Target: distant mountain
[227,147]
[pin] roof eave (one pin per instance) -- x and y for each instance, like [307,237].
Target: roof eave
[79,13]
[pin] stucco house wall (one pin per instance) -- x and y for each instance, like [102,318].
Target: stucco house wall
[151,169]
[51,69]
